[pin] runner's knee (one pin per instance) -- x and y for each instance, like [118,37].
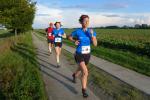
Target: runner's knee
[84,71]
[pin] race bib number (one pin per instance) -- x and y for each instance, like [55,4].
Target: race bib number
[85,49]
[49,34]
[58,39]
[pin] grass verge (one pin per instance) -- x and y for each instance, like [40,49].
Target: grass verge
[20,77]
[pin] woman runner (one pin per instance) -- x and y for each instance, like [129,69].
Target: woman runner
[84,37]
[59,33]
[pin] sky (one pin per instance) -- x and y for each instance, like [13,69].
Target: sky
[101,12]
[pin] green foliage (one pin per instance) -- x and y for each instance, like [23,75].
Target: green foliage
[20,77]
[133,40]
[129,60]
[17,14]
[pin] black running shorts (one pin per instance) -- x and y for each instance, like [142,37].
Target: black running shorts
[82,57]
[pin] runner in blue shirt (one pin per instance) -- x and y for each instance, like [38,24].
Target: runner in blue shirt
[58,33]
[83,37]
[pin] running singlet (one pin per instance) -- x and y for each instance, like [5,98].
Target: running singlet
[49,33]
[58,34]
[84,40]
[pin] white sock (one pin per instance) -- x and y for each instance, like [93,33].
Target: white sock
[50,49]
[57,58]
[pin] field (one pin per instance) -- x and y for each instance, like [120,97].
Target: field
[136,41]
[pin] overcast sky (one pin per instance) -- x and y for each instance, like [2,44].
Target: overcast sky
[101,12]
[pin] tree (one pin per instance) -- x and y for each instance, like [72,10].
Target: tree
[17,14]
[112,27]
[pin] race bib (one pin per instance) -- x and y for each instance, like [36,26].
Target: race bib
[49,34]
[85,49]
[58,39]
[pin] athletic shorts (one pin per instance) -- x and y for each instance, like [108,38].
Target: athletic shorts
[50,41]
[82,57]
[58,44]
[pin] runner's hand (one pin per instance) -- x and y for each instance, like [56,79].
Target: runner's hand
[92,32]
[59,34]
[77,42]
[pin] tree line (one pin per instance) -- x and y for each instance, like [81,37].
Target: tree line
[136,26]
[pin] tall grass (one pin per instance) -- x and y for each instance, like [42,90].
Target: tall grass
[129,60]
[134,35]
[133,40]
[20,77]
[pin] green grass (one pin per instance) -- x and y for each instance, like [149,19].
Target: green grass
[106,86]
[41,32]
[129,60]
[20,77]
[133,40]
[5,33]
[2,31]
[134,35]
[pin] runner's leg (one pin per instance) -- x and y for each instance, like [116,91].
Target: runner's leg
[76,74]
[49,45]
[57,49]
[84,78]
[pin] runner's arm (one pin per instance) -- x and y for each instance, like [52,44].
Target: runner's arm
[64,35]
[73,40]
[93,37]
[94,40]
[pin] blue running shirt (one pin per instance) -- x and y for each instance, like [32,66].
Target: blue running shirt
[84,40]
[58,34]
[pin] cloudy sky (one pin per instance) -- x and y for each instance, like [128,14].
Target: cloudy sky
[101,12]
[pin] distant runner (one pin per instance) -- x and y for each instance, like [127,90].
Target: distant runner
[50,37]
[59,33]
